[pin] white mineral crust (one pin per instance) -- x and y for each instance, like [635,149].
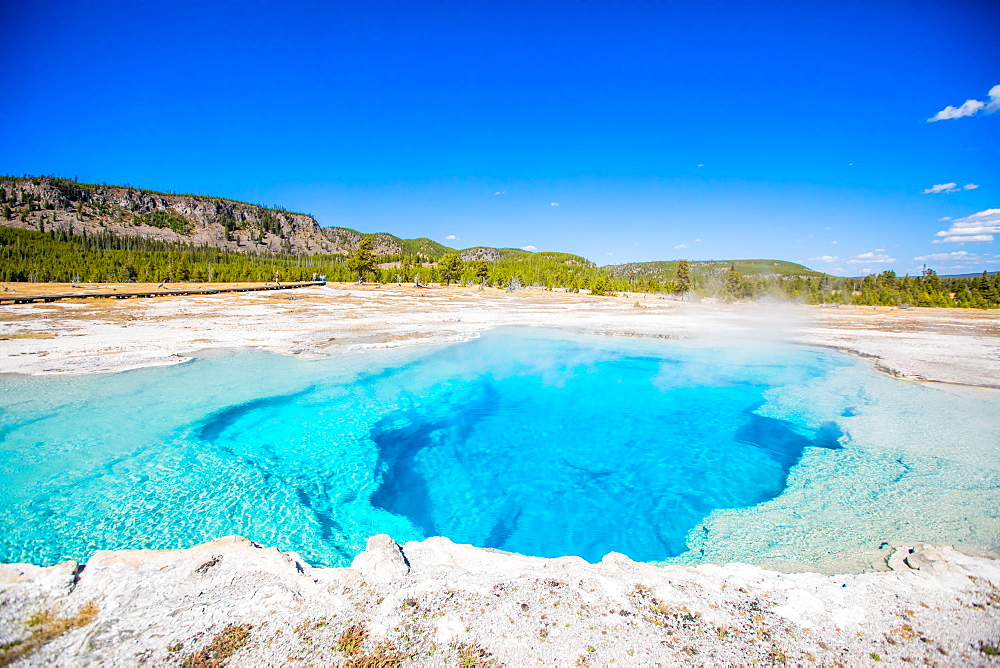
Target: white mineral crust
[437,602]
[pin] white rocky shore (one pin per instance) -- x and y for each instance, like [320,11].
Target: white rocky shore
[433,602]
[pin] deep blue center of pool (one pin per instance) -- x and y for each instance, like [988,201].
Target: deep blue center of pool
[605,460]
[522,441]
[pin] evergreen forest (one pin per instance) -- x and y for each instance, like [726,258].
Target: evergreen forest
[61,256]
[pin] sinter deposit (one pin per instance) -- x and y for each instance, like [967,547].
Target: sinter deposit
[435,602]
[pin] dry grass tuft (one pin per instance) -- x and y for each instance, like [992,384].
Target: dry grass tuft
[384,656]
[45,626]
[28,335]
[226,643]
[474,654]
[350,640]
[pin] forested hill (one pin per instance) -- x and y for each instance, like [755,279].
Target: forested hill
[53,204]
[77,232]
[706,269]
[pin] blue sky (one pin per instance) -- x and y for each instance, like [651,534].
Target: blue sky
[621,131]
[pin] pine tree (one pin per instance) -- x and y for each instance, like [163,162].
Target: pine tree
[449,266]
[735,287]
[183,269]
[682,282]
[362,260]
[599,286]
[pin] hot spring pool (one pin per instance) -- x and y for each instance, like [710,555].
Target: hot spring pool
[524,440]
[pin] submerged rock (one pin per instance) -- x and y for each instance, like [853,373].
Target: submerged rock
[382,559]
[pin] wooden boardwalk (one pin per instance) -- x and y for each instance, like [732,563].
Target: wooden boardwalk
[118,294]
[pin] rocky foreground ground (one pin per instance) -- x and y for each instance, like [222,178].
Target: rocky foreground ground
[433,602]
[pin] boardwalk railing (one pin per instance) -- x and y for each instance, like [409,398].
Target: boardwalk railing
[117,294]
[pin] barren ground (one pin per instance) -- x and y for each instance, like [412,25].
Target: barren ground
[960,346]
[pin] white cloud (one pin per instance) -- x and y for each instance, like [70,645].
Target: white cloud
[961,261]
[528,248]
[879,250]
[969,107]
[679,246]
[941,220]
[700,165]
[962,239]
[959,256]
[451,236]
[609,253]
[978,227]
[994,102]
[824,258]
[697,241]
[500,192]
[834,243]
[553,203]
[866,258]
[949,188]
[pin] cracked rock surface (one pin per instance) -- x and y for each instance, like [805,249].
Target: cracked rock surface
[232,602]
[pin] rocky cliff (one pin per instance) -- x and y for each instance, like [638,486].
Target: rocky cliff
[49,203]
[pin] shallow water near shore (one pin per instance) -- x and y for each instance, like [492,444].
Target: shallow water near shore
[524,440]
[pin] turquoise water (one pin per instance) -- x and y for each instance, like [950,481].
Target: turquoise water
[523,440]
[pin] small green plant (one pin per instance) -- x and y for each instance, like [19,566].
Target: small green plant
[875,657]
[473,654]
[988,649]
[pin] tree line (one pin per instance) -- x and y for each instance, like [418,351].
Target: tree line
[61,256]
